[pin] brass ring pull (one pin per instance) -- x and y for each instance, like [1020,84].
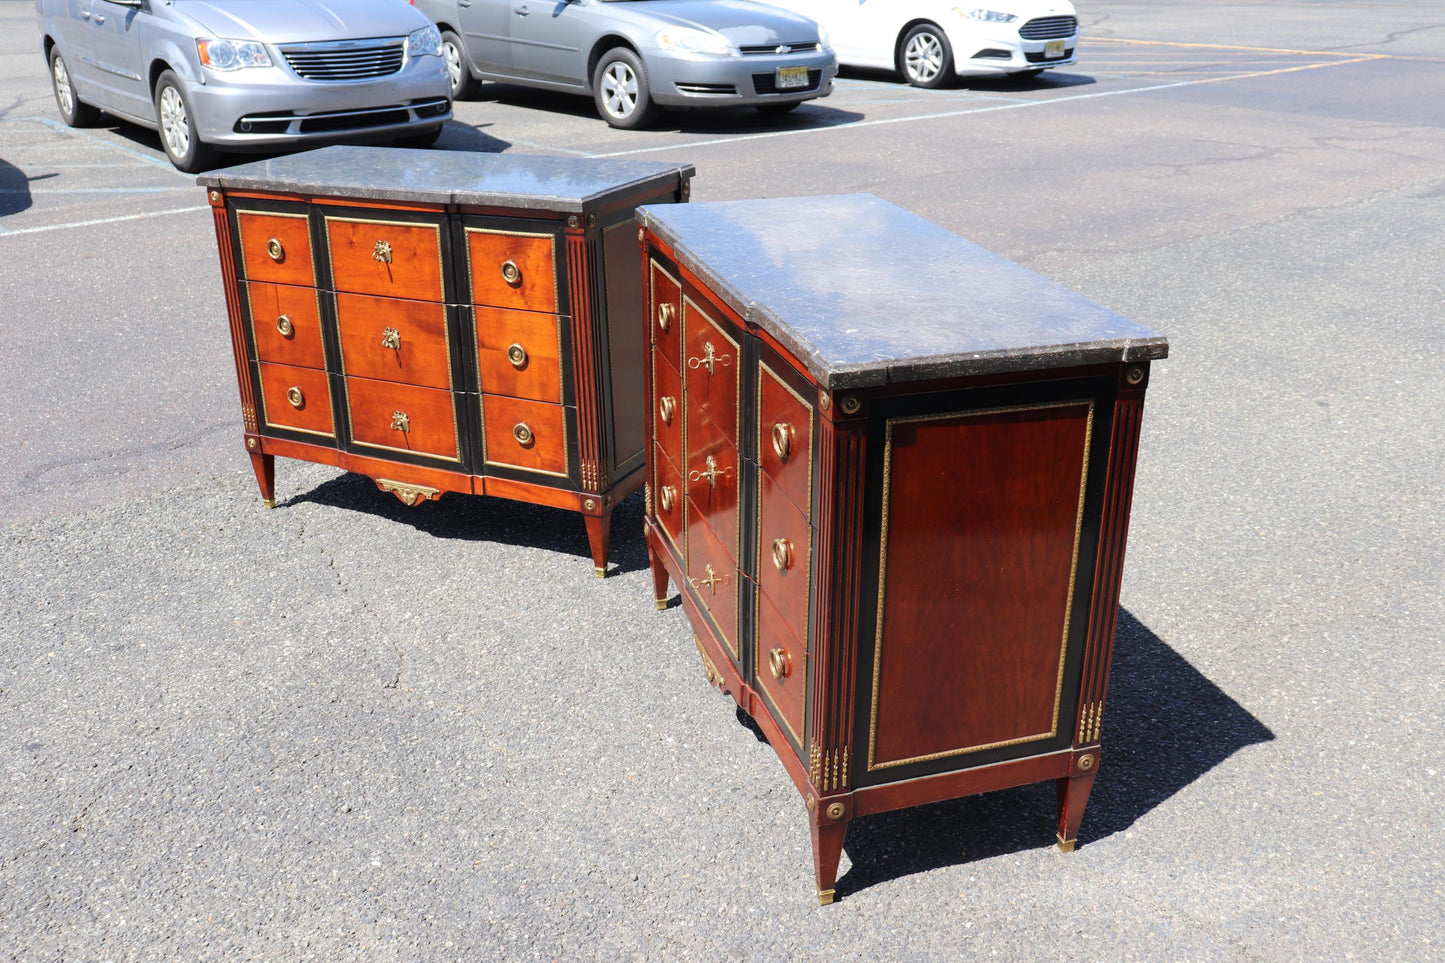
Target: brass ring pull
[783,440]
[284,325]
[511,273]
[665,313]
[391,338]
[518,356]
[779,664]
[275,251]
[297,399]
[712,581]
[711,474]
[667,407]
[400,421]
[381,253]
[709,359]
[782,554]
[667,497]
[522,433]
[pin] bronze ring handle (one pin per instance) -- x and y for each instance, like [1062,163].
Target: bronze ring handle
[666,496]
[297,399]
[779,664]
[275,251]
[665,314]
[518,356]
[782,554]
[522,433]
[667,407]
[511,273]
[284,325]
[783,440]
[400,421]
[391,338]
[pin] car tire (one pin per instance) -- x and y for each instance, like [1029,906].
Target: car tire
[74,111]
[423,138]
[924,56]
[459,67]
[177,126]
[619,88]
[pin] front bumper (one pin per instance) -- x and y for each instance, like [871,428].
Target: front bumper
[1004,52]
[697,81]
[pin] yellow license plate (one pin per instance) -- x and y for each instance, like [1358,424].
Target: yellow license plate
[1053,49]
[790,77]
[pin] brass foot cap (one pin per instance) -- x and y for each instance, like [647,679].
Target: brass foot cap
[661,604]
[269,502]
[1067,845]
[601,572]
[825,896]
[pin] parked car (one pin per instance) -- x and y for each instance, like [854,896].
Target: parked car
[241,74]
[636,56]
[932,41]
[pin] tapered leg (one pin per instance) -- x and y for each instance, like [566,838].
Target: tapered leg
[659,577]
[827,851]
[599,534]
[265,468]
[1073,797]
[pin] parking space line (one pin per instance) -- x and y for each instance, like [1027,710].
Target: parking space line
[77,132]
[101,220]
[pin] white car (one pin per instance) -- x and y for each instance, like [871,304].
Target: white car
[932,41]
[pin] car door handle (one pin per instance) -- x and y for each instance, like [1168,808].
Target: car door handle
[464,3]
[99,19]
[522,11]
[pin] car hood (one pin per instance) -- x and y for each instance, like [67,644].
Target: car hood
[303,21]
[742,22]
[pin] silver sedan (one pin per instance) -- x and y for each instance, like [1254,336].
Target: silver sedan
[636,56]
[236,75]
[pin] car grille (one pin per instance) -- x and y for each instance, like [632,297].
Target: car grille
[768,83]
[1049,28]
[1039,58]
[352,60]
[761,49]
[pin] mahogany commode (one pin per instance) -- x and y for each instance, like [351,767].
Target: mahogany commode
[443,321]
[891,474]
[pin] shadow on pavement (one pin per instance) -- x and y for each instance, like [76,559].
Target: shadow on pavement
[1165,725]
[15,189]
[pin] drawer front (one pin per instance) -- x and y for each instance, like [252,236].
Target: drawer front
[782,668]
[712,477]
[286,324]
[785,548]
[530,435]
[712,576]
[513,269]
[394,340]
[276,247]
[668,416]
[296,398]
[712,367]
[666,321]
[405,418]
[394,259]
[668,499]
[785,438]
[519,353]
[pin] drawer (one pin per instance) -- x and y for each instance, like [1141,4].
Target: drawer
[531,435]
[296,398]
[389,339]
[519,353]
[407,418]
[667,414]
[711,477]
[286,324]
[711,366]
[785,438]
[782,668]
[668,499]
[666,324]
[785,549]
[712,576]
[391,258]
[513,269]
[276,247]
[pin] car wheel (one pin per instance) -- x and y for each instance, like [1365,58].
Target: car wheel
[423,139]
[74,111]
[459,68]
[780,108]
[619,86]
[177,126]
[925,57]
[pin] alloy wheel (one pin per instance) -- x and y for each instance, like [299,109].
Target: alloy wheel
[924,57]
[619,90]
[455,70]
[63,93]
[175,126]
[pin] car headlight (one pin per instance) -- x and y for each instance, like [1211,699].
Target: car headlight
[986,15]
[424,42]
[825,40]
[232,54]
[692,40]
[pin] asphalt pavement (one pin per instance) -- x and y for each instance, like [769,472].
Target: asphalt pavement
[345,729]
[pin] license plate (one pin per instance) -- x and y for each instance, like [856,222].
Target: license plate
[1053,49]
[790,77]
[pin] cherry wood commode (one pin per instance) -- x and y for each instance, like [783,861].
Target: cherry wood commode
[443,322]
[890,473]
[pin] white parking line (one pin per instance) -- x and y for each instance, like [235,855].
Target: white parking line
[101,220]
[56,125]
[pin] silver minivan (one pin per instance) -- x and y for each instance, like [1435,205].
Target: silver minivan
[248,74]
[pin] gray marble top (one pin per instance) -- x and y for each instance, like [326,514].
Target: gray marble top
[864,293]
[447,177]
